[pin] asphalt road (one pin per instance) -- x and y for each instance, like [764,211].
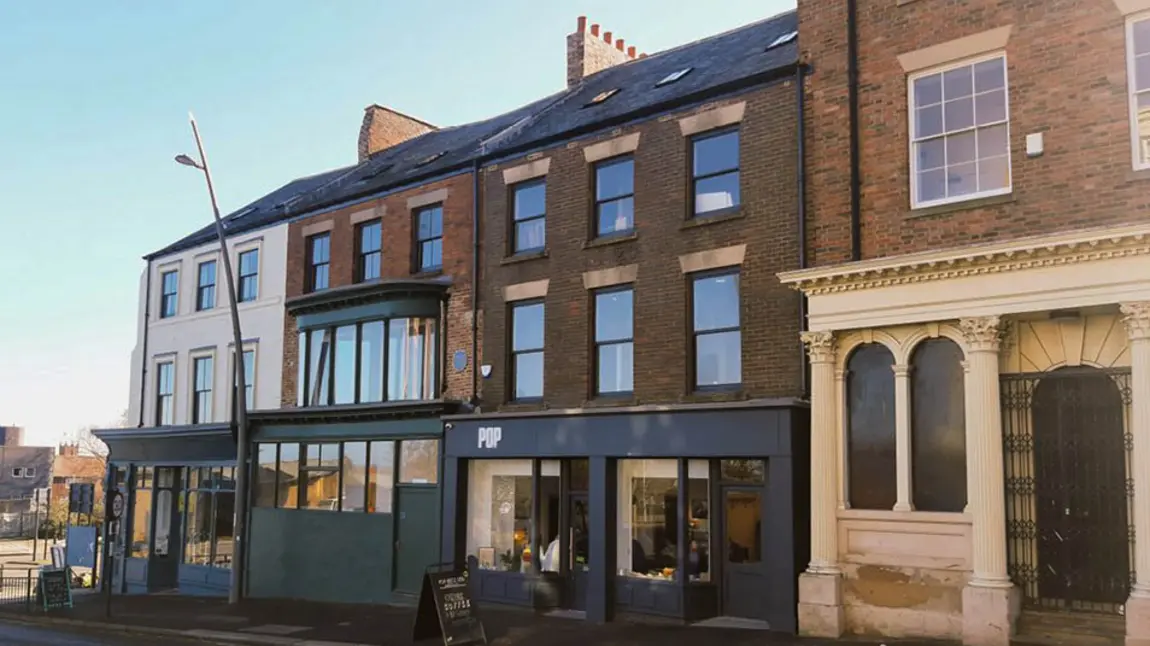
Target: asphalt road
[22,635]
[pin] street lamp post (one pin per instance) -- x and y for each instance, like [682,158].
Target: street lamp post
[239,411]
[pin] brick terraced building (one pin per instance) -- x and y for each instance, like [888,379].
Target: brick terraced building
[640,446]
[979,314]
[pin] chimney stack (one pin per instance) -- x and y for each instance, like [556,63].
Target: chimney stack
[588,53]
[383,128]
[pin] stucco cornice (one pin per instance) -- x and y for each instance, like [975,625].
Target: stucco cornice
[1025,253]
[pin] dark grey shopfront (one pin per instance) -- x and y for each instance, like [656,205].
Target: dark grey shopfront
[688,513]
[177,531]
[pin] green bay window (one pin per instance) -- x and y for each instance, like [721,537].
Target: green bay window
[356,364]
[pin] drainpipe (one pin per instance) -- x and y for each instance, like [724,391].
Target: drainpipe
[853,102]
[801,180]
[475,189]
[144,342]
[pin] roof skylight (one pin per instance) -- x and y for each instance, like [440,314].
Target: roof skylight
[674,76]
[783,40]
[601,97]
[430,158]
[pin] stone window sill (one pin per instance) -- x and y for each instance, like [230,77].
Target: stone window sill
[611,401]
[605,241]
[726,215]
[524,257]
[958,518]
[976,203]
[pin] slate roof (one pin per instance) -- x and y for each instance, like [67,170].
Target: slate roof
[718,63]
[264,211]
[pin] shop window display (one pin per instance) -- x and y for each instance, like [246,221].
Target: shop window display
[649,520]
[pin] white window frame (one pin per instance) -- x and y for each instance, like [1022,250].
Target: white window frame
[256,245]
[17,472]
[191,368]
[915,203]
[254,348]
[1132,93]
[29,472]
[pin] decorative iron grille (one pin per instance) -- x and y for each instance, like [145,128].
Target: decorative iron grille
[1069,488]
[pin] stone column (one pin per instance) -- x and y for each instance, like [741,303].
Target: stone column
[1136,316]
[820,587]
[990,601]
[902,436]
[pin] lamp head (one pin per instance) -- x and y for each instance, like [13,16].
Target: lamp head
[188,161]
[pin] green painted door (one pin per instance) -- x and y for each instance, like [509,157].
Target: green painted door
[416,535]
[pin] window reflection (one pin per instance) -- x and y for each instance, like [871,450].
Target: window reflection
[381,477]
[411,359]
[354,481]
[287,482]
[265,480]
[141,523]
[717,332]
[371,362]
[198,541]
[649,519]
[319,347]
[418,461]
[871,428]
[321,477]
[345,365]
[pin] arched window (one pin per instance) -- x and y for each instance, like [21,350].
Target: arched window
[938,427]
[870,431]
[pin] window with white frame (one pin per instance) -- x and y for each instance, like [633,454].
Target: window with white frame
[960,132]
[1138,39]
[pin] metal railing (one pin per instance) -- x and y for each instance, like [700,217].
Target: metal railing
[19,590]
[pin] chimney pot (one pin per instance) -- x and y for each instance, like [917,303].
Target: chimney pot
[619,44]
[607,37]
[595,30]
[582,24]
[631,51]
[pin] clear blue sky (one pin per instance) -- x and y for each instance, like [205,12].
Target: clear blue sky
[93,105]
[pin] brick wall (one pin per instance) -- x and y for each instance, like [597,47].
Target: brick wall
[397,263]
[1066,70]
[766,223]
[383,128]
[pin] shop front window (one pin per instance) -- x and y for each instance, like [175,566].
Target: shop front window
[381,477]
[355,364]
[353,476]
[210,517]
[418,461]
[142,513]
[499,514]
[320,477]
[649,519]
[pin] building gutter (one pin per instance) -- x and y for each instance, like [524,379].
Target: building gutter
[853,104]
[144,341]
[801,207]
[475,217]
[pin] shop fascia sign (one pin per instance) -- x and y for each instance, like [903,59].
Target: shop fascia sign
[488,436]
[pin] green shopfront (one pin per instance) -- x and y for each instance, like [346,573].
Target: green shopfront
[346,491]
[177,532]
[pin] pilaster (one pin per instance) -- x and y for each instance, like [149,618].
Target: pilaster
[1136,317]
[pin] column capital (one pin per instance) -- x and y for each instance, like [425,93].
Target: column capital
[1136,317]
[901,370]
[820,346]
[982,334]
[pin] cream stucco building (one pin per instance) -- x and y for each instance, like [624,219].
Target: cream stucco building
[1051,339]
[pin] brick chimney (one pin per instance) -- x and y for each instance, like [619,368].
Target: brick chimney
[588,53]
[67,450]
[383,128]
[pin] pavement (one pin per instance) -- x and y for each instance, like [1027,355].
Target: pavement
[15,634]
[167,618]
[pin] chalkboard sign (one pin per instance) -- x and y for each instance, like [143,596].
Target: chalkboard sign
[55,588]
[446,610]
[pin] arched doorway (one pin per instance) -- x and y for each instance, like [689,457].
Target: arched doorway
[1080,538]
